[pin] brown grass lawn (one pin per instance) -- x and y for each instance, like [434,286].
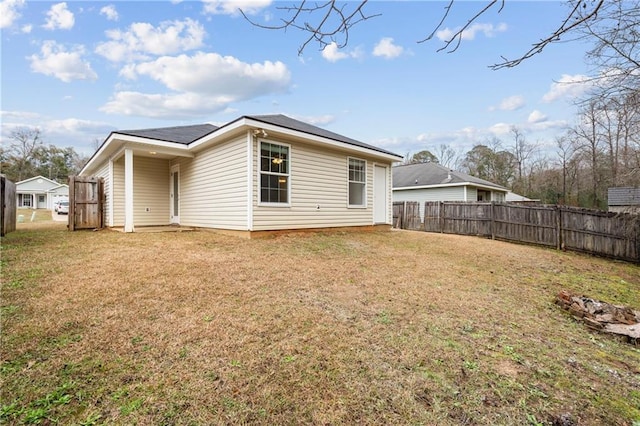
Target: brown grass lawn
[343,328]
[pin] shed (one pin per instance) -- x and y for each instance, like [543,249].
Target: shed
[624,200]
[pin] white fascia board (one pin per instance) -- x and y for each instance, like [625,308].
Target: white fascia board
[152,144]
[217,134]
[234,126]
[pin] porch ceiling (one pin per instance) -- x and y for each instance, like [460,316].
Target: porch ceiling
[149,150]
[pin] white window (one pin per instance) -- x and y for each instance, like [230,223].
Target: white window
[274,173]
[357,182]
[25,200]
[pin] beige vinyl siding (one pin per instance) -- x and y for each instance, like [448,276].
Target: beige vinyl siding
[213,187]
[389,181]
[118,191]
[103,172]
[150,191]
[318,178]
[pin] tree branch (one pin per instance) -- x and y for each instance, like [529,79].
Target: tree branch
[334,22]
[561,30]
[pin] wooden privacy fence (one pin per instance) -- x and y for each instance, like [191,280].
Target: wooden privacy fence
[86,203]
[615,235]
[8,206]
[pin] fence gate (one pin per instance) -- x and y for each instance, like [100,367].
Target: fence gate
[7,206]
[86,202]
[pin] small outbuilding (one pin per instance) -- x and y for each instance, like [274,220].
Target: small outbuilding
[624,200]
[255,173]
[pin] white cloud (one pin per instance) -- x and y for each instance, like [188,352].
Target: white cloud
[511,103]
[387,49]
[500,129]
[110,12]
[26,28]
[197,90]
[59,17]
[194,74]
[489,30]
[568,87]
[143,39]
[9,12]
[172,106]
[66,65]
[233,7]
[332,53]
[536,117]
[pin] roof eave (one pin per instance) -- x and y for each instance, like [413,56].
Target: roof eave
[449,185]
[116,137]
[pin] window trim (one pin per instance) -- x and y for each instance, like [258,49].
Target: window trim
[260,172]
[364,189]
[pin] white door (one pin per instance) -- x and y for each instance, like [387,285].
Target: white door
[380,199]
[175,194]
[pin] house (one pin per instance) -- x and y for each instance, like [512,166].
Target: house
[40,193]
[624,200]
[256,173]
[432,182]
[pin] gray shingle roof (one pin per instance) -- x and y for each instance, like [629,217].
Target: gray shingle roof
[625,196]
[293,124]
[188,134]
[178,134]
[426,174]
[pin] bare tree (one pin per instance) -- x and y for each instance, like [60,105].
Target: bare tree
[331,21]
[448,156]
[565,151]
[23,150]
[522,152]
[588,142]
[614,31]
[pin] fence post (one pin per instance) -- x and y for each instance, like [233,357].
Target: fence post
[493,221]
[71,214]
[441,216]
[558,210]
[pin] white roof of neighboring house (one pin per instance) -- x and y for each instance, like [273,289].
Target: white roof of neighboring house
[513,197]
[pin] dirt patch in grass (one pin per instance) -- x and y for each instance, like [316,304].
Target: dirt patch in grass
[344,328]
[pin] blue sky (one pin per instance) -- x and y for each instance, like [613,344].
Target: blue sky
[79,70]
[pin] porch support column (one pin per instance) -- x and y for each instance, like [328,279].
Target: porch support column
[128,190]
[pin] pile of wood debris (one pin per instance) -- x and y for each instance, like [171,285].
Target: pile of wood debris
[603,316]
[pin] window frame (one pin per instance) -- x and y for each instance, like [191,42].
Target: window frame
[363,183]
[270,173]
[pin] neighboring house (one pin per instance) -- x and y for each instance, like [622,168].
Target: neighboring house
[40,193]
[256,173]
[624,200]
[432,182]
